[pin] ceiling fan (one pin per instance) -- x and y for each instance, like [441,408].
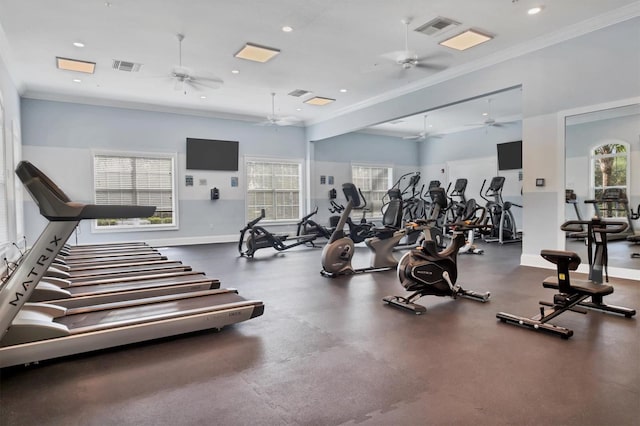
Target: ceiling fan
[423,134]
[183,77]
[278,120]
[408,59]
[489,121]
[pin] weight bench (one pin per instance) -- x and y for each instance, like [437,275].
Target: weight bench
[572,296]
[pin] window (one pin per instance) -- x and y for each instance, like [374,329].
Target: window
[141,180]
[275,187]
[610,169]
[373,181]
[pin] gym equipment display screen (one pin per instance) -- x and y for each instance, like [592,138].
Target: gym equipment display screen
[510,155]
[209,154]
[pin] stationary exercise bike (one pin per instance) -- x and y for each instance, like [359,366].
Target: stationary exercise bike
[260,238]
[574,293]
[338,252]
[427,272]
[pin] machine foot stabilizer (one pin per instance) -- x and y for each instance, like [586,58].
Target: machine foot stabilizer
[403,303]
[534,324]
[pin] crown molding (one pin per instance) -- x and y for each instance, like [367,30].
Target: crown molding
[141,106]
[573,31]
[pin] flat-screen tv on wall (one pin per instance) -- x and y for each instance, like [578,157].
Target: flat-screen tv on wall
[210,154]
[510,155]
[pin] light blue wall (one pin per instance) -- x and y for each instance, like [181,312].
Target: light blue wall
[465,145]
[367,148]
[59,138]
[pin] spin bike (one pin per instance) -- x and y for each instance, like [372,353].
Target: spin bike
[260,238]
[573,293]
[427,272]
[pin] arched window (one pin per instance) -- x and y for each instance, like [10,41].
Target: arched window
[610,171]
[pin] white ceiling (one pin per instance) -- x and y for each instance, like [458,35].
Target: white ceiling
[335,44]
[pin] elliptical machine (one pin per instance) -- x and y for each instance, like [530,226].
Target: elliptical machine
[307,226]
[427,272]
[338,252]
[504,225]
[260,238]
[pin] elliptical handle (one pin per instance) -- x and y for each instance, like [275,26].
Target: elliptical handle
[483,195]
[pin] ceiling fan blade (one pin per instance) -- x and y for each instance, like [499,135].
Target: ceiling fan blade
[215,80]
[198,84]
[397,55]
[435,67]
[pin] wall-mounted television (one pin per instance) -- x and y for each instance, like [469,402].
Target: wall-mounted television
[510,155]
[210,154]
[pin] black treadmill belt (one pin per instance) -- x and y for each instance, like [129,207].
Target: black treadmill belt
[85,322]
[127,276]
[125,269]
[138,285]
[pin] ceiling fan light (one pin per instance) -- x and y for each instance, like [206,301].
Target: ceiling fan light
[466,40]
[256,53]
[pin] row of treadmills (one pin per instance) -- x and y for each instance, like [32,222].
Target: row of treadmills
[62,300]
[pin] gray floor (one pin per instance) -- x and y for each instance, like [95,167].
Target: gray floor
[327,351]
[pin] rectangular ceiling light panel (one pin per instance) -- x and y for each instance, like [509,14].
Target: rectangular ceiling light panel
[75,65]
[319,101]
[466,40]
[256,53]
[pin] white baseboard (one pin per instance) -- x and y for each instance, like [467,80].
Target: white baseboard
[187,241]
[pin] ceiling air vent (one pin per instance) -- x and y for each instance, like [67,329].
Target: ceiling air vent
[126,66]
[436,25]
[298,92]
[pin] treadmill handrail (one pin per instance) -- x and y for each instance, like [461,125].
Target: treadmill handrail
[55,205]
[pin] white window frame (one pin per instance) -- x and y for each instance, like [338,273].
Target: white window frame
[592,168]
[135,225]
[374,212]
[301,183]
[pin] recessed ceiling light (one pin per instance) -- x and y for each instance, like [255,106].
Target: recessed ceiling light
[298,109]
[78,44]
[77,80]
[287,29]
[466,40]
[534,10]
[203,97]
[484,114]
[254,52]
[343,90]
[319,101]
[75,65]
[235,72]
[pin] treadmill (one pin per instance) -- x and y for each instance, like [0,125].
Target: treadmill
[36,331]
